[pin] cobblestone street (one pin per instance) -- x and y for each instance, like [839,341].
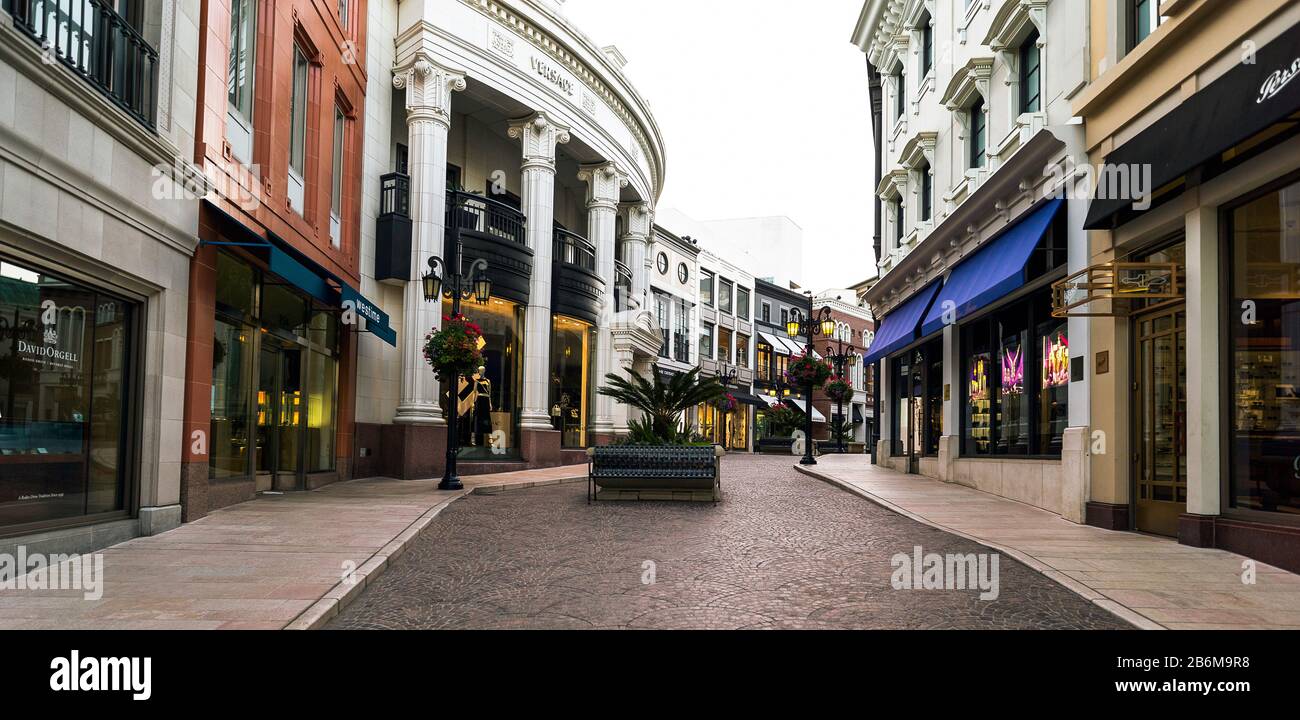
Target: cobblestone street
[781,551]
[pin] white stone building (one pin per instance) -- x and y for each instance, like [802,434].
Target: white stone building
[979,383]
[95,246]
[499,122]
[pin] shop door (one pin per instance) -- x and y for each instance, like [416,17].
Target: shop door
[279,419]
[1160,419]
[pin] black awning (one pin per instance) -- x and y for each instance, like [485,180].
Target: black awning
[1245,101]
[748,398]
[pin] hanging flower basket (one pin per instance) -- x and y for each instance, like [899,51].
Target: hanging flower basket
[805,370]
[838,389]
[454,350]
[726,403]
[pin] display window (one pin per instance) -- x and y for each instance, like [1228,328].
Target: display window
[66,398]
[572,393]
[1264,373]
[488,402]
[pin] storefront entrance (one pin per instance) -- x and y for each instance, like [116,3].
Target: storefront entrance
[279,430]
[1160,420]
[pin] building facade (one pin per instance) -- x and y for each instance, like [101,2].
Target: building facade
[1192,121]
[725,329]
[501,133]
[854,332]
[980,384]
[98,221]
[274,309]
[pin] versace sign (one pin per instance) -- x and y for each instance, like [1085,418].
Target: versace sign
[553,75]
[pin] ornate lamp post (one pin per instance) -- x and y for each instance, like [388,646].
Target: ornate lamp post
[459,286]
[842,355]
[809,327]
[726,374]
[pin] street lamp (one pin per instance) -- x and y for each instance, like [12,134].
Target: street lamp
[841,355]
[458,286]
[810,327]
[726,373]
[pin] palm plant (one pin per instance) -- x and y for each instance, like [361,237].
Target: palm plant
[662,402]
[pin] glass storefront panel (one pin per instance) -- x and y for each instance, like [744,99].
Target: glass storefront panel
[572,344]
[1011,401]
[1054,385]
[1264,318]
[232,383]
[488,402]
[64,397]
[322,379]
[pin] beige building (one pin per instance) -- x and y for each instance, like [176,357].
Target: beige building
[1191,121]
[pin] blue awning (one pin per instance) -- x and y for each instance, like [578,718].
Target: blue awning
[898,329]
[308,276]
[995,271]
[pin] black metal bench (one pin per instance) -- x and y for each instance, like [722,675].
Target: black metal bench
[657,472]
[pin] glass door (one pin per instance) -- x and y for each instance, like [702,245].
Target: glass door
[279,419]
[268,396]
[1160,404]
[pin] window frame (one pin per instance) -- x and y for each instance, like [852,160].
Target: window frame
[244,30]
[978,149]
[338,160]
[1027,73]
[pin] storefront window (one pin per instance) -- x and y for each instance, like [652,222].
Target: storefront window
[1264,318]
[232,383]
[322,379]
[1015,391]
[742,350]
[724,345]
[571,399]
[64,397]
[934,401]
[763,361]
[488,402]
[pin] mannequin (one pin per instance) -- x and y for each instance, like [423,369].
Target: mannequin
[482,406]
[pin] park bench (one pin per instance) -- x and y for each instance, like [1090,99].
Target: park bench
[654,472]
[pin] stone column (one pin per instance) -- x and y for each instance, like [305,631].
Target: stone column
[428,120]
[1204,379]
[538,136]
[637,224]
[604,181]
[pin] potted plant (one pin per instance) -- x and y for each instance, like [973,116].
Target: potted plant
[662,402]
[805,370]
[454,349]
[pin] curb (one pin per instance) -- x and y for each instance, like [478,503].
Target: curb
[1126,614]
[343,593]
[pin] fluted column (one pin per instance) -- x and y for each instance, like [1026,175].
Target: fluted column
[604,181]
[428,120]
[539,136]
[637,223]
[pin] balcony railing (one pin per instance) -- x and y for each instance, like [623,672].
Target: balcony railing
[92,40]
[622,285]
[476,213]
[395,194]
[573,249]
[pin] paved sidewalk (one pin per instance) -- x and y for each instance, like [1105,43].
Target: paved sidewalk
[1153,582]
[264,564]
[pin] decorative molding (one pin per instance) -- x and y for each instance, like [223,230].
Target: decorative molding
[428,88]
[501,41]
[968,81]
[638,220]
[604,181]
[548,44]
[539,135]
[1008,27]
[920,147]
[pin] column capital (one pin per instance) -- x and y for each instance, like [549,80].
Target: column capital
[638,219]
[428,88]
[539,135]
[604,180]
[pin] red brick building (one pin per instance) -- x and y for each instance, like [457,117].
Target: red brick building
[269,395]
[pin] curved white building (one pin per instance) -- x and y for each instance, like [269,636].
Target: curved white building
[499,123]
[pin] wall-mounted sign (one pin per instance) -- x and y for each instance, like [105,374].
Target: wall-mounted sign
[553,75]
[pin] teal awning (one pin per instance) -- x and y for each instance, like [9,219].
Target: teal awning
[310,277]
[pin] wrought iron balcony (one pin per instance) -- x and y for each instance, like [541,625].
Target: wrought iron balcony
[573,249]
[476,213]
[91,39]
[622,286]
[393,229]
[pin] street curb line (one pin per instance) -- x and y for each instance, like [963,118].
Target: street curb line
[1124,613]
[343,593]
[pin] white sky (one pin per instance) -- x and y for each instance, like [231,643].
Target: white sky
[764,110]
